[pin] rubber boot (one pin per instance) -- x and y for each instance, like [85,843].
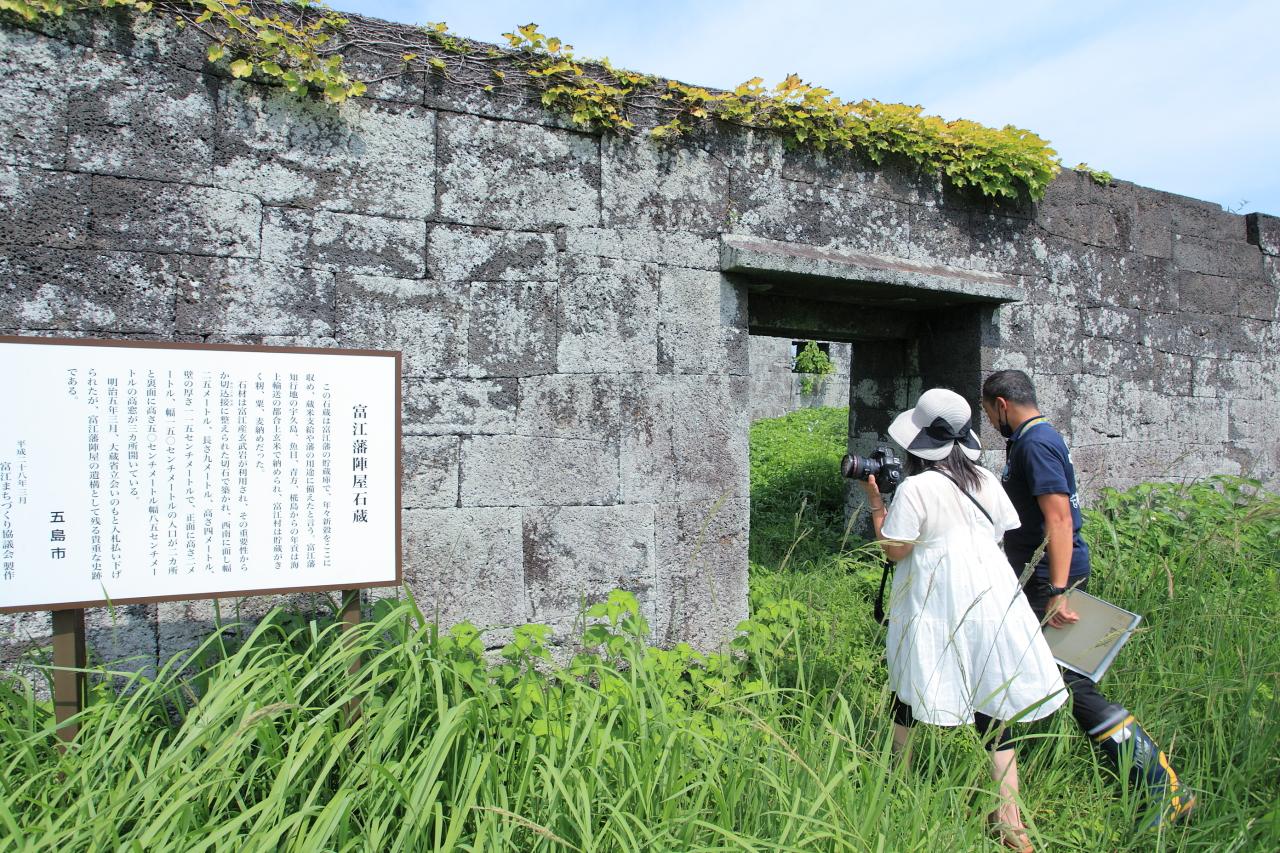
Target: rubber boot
[1123,740]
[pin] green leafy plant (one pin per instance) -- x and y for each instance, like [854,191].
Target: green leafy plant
[779,741]
[1098,176]
[251,38]
[813,364]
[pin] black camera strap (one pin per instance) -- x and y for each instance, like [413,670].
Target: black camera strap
[982,509]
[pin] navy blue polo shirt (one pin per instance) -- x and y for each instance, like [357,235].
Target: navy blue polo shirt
[1037,462]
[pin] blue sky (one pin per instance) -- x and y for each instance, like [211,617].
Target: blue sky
[1180,96]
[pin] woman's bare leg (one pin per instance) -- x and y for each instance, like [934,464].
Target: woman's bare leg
[1007,817]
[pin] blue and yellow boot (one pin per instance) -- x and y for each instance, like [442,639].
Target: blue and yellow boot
[1124,741]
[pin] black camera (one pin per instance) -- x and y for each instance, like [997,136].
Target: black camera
[883,464]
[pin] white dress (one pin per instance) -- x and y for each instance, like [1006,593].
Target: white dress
[962,637]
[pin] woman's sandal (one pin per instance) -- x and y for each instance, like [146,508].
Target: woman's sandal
[1012,837]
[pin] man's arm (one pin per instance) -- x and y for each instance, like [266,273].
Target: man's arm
[1059,530]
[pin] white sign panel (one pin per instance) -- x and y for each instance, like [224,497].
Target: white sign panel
[139,471]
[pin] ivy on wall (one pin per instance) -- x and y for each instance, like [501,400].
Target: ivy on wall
[302,46]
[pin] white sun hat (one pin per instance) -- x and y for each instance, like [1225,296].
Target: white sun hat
[939,420]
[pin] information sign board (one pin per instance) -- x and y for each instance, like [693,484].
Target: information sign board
[145,471]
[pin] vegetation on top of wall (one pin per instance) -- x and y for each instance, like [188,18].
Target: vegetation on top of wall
[1099,176]
[301,47]
[290,46]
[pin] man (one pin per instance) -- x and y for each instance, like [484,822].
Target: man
[1041,483]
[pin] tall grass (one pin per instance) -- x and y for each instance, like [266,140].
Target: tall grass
[779,743]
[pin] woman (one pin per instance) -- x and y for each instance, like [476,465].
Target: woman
[963,645]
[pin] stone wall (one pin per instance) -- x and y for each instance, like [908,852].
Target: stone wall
[577,379]
[777,389]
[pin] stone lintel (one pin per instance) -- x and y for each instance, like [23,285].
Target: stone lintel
[810,272]
[781,314]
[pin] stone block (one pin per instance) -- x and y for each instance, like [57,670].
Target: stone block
[576,555]
[181,626]
[1084,222]
[363,156]
[517,470]
[25,640]
[122,638]
[508,175]
[1172,373]
[53,289]
[42,208]
[771,395]
[1137,365]
[1208,294]
[1263,231]
[466,565]
[1098,412]
[145,216]
[1214,257]
[846,171]
[1117,324]
[1011,245]
[1198,421]
[1135,281]
[677,188]
[769,354]
[459,253]
[1144,413]
[943,236]
[1014,328]
[1196,218]
[1151,225]
[647,454]
[426,320]
[430,471]
[1212,335]
[607,317]
[1252,423]
[351,243]
[831,390]
[252,298]
[379,63]
[1055,393]
[585,406]
[766,205]
[33,98]
[711,436]
[513,99]
[702,325]
[513,329]
[700,348]
[149,38]
[702,571]
[437,406]
[142,120]
[672,248]
[1058,332]
[1258,298]
[695,296]
[1229,379]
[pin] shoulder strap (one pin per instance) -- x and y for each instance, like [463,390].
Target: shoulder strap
[980,507]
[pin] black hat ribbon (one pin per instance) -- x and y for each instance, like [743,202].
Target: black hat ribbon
[940,433]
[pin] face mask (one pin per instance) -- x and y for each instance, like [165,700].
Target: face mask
[1005,429]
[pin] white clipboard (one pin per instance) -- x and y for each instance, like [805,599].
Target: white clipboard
[1090,646]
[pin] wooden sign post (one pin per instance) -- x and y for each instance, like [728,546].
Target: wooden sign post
[144,471]
[69,659]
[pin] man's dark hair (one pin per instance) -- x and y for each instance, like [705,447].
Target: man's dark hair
[1014,385]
